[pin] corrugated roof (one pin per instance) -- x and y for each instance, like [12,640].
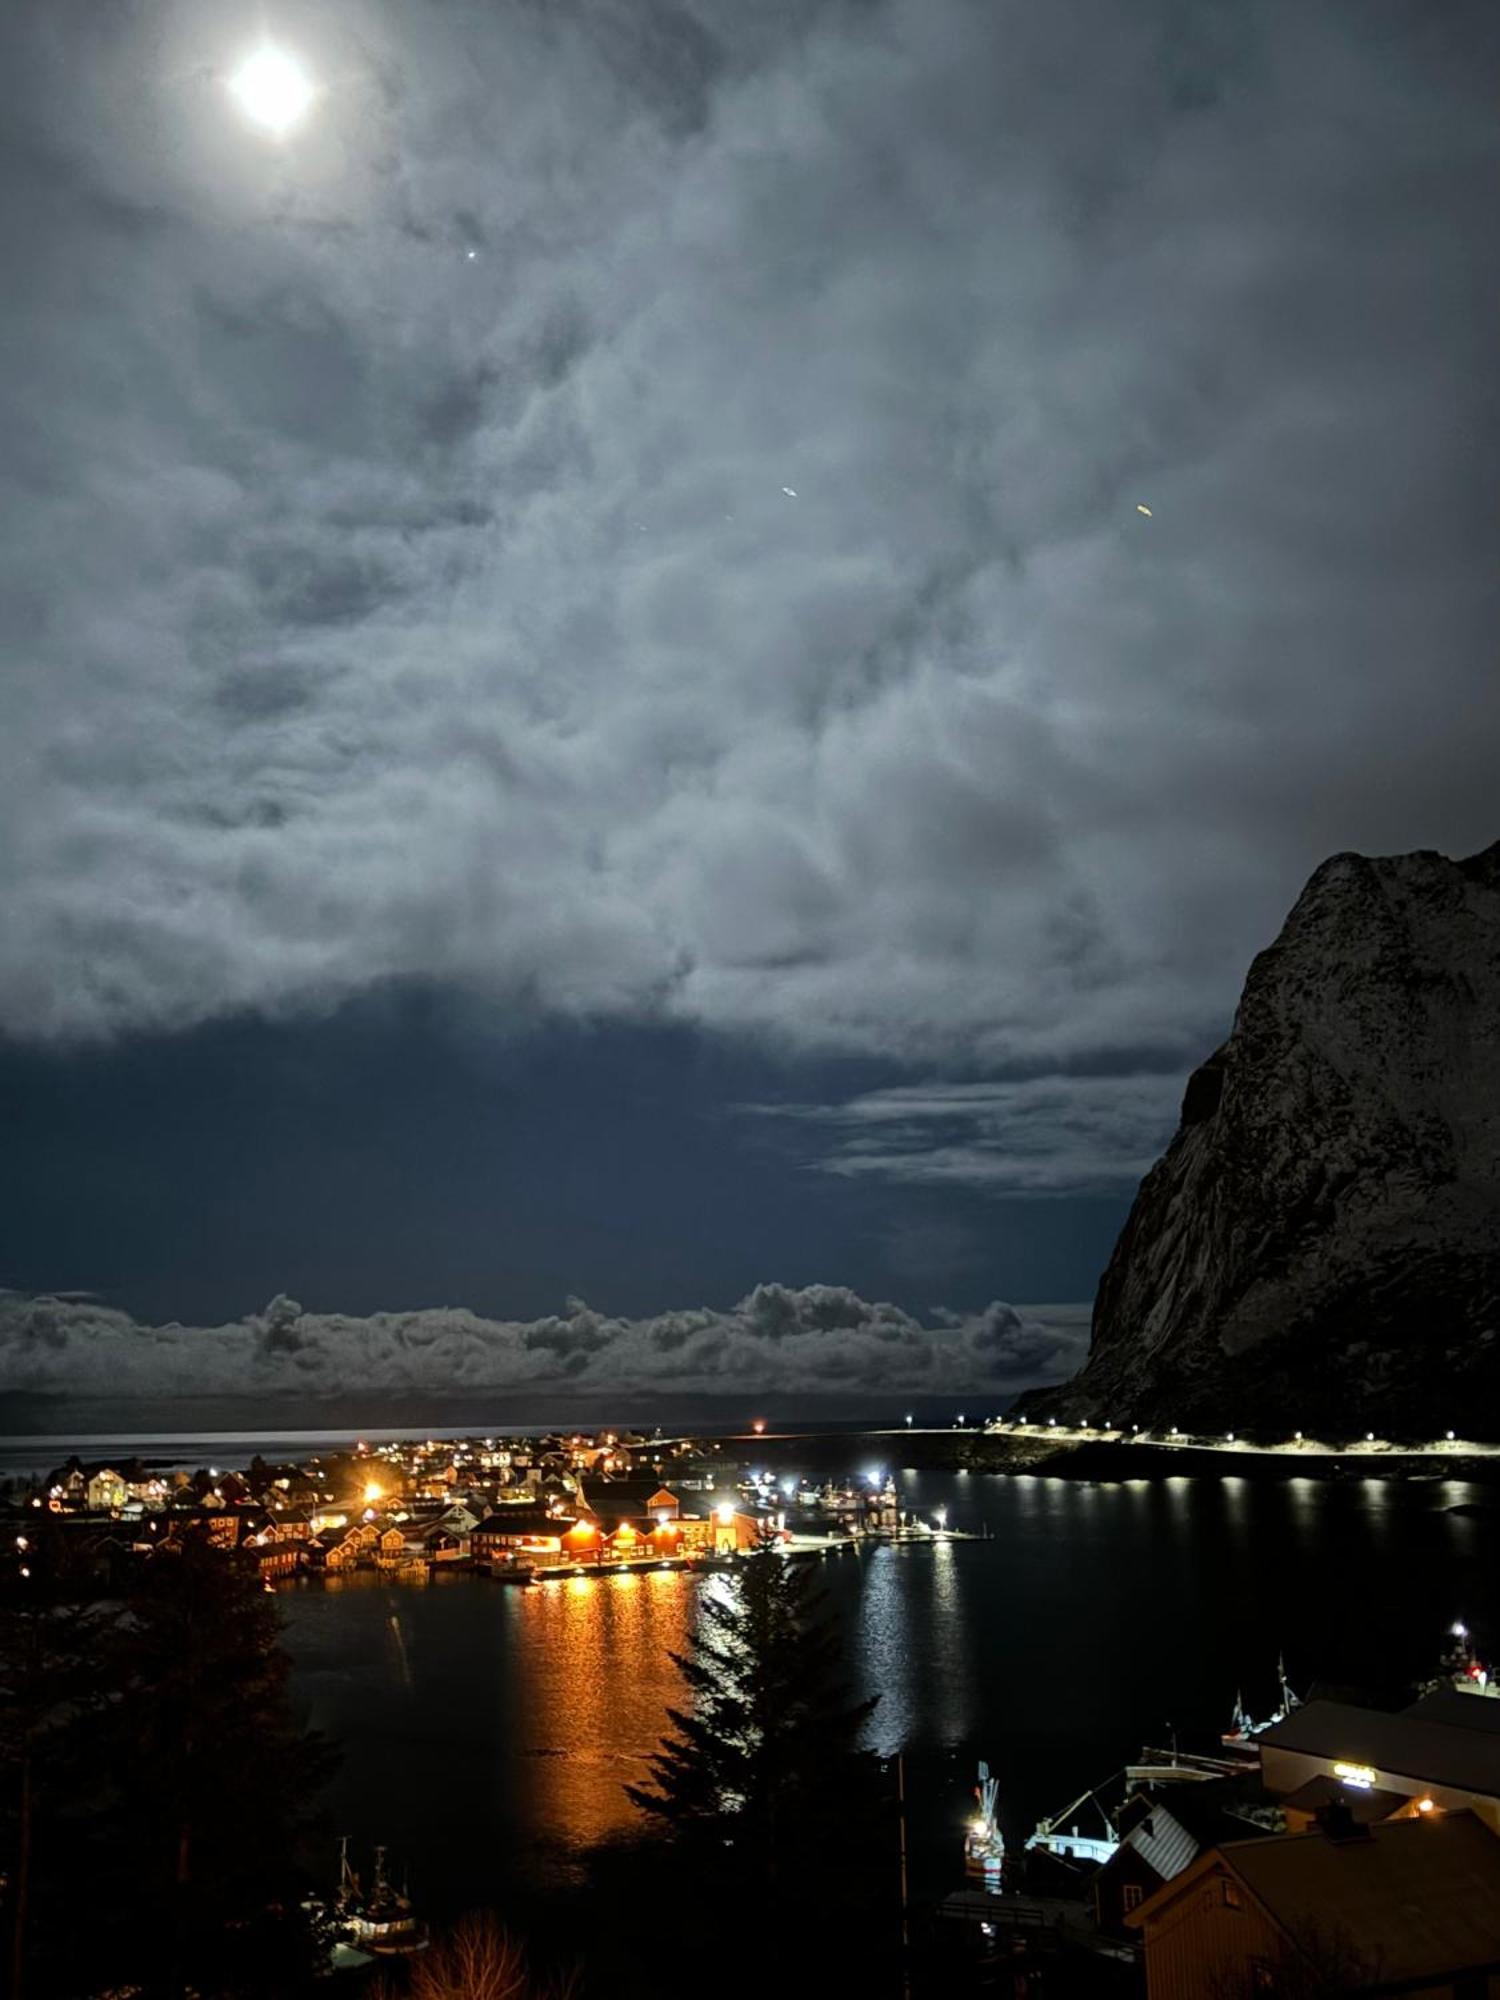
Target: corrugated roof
[1420,1897]
[1433,1753]
[1162,1842]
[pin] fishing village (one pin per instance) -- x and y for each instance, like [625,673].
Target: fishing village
[1297,1826]
[519,1510]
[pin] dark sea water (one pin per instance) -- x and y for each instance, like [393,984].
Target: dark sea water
[488,1730]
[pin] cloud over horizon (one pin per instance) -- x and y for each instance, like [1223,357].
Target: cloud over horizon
[1047,1135]
[379,612]
[777,1341]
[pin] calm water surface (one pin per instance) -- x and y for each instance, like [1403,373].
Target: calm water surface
[488,1730]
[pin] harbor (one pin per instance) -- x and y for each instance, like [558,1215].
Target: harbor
[518,1510]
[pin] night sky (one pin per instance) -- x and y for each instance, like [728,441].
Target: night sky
[673,656]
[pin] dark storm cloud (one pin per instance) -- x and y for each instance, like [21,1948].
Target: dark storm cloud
[777,1339]
[381,611]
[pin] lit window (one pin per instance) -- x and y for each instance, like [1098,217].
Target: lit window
[1231,1894]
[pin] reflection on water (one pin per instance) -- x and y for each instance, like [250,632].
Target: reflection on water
[489,1731]
[596,1678]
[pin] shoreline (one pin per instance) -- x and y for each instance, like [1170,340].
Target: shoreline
[1109,1461]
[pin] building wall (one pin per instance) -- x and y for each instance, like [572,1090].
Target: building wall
[1284,1771]
[1203,1946]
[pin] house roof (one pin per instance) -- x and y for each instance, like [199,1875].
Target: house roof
[1433,1753]
[1458,1710]
[524,1521]
[1162,1842]
[1365,1806]
[621,1499]
[1172,1827]
[1421,1897]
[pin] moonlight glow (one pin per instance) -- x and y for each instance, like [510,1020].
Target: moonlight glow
[272,89]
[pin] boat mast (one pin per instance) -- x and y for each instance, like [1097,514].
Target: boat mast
[1289,1701]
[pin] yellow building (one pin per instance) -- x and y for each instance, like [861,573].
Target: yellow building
[1411,1907]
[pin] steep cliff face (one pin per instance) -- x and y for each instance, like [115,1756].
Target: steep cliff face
[1320,1244]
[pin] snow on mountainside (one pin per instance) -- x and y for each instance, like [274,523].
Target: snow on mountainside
[1320,1244]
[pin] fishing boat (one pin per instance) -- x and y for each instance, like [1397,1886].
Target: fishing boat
[1242,1731]
[1065,1841]
[1461,1667]
[382,1921]
[984,1844]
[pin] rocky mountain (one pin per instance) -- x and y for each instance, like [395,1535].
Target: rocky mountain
[1320,1244]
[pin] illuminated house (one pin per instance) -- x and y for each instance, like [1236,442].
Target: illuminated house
[519,1533]
[344,1548]
[1411,1907]
[105,1490]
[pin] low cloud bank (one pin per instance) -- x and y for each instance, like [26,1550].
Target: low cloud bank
[816,1340]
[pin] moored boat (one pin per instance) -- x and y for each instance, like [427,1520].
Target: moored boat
[1067,1842]
[1242,1731]
[984,1844]
[383,1921]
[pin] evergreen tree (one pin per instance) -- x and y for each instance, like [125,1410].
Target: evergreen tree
[762,1789]
[52,1639]
[200,1886]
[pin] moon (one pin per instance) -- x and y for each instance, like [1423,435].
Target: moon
[272,89]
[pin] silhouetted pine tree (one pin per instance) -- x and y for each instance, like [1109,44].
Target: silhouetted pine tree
[53,1635]
[772,1809]
[200,1886]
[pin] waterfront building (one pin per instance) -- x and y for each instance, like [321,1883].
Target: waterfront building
[611,1500]
[1410,1907]
[343,1548]
[513,1533]
[1368,1756]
